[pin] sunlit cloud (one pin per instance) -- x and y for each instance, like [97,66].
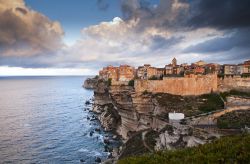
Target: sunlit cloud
[145,33]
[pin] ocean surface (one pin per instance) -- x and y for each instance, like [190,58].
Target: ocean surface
[44,120]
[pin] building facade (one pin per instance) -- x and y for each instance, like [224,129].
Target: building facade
[230,69]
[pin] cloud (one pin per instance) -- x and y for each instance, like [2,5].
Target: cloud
[102,5]
[167,14]
[237,39]
[147,32]
[186,15]
[25,32]
[222,14]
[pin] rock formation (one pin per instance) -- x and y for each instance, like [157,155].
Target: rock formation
[90,83]
[141,118]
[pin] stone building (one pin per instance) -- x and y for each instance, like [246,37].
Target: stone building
[140,72]
[174,62]
[147,72]
[143,71]
[247,67]
[109,72]
[173,68]
[126,73]
[239,69]
[121,73]
[230,69]
[199,70]
[169,69]
[212,68]
[200,63]
[160,72]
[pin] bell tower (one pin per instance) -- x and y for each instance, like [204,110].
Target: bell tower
[174,62]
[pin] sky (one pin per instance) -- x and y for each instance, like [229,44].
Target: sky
[79,37]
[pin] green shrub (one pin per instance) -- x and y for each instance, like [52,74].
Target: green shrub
[109,81]
[245,75]
[234,120]
[233,149]
[145,92]
[153,78]
[213,102]
[224,95]
[131,83]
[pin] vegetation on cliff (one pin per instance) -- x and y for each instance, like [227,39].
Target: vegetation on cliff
[233,149]
[234,120]
[212,102]
[224,95]
[131,83]
[134,146]
[190,105]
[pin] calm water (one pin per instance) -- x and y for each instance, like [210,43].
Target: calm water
[42,120]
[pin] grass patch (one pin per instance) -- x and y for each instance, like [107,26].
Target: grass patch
[224,95]
[131,83]
[190,105]
[234,120]
[134,146]
[233,149]
[150,138]
[212,103]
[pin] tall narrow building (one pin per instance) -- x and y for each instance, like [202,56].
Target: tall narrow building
[174,62]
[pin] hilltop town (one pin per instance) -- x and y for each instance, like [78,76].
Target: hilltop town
[147,72]
[195,79]
[172,107]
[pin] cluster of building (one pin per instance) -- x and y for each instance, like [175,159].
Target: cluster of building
[147,72]
[239,69]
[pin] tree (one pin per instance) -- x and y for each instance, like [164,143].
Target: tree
[131,83]
[109,81]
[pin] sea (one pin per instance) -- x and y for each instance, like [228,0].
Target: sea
[46,120]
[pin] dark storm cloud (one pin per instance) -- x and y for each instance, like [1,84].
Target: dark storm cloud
[167,14]
[221,14]
[133,9]
[159,42]
[102,4]
[184,14]
[237,39]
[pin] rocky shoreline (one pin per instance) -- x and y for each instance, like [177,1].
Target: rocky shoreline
[141,119]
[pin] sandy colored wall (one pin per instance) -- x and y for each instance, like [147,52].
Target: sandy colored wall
[237,83]
[179,86]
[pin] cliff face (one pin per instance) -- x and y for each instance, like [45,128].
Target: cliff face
[108,115]
[136,111]
[143,118]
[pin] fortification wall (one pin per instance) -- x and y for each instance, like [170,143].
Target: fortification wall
[114,82]
[179,85]
[236,83]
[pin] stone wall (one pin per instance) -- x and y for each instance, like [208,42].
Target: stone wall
[179,85]
[115,82]
[236,83]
